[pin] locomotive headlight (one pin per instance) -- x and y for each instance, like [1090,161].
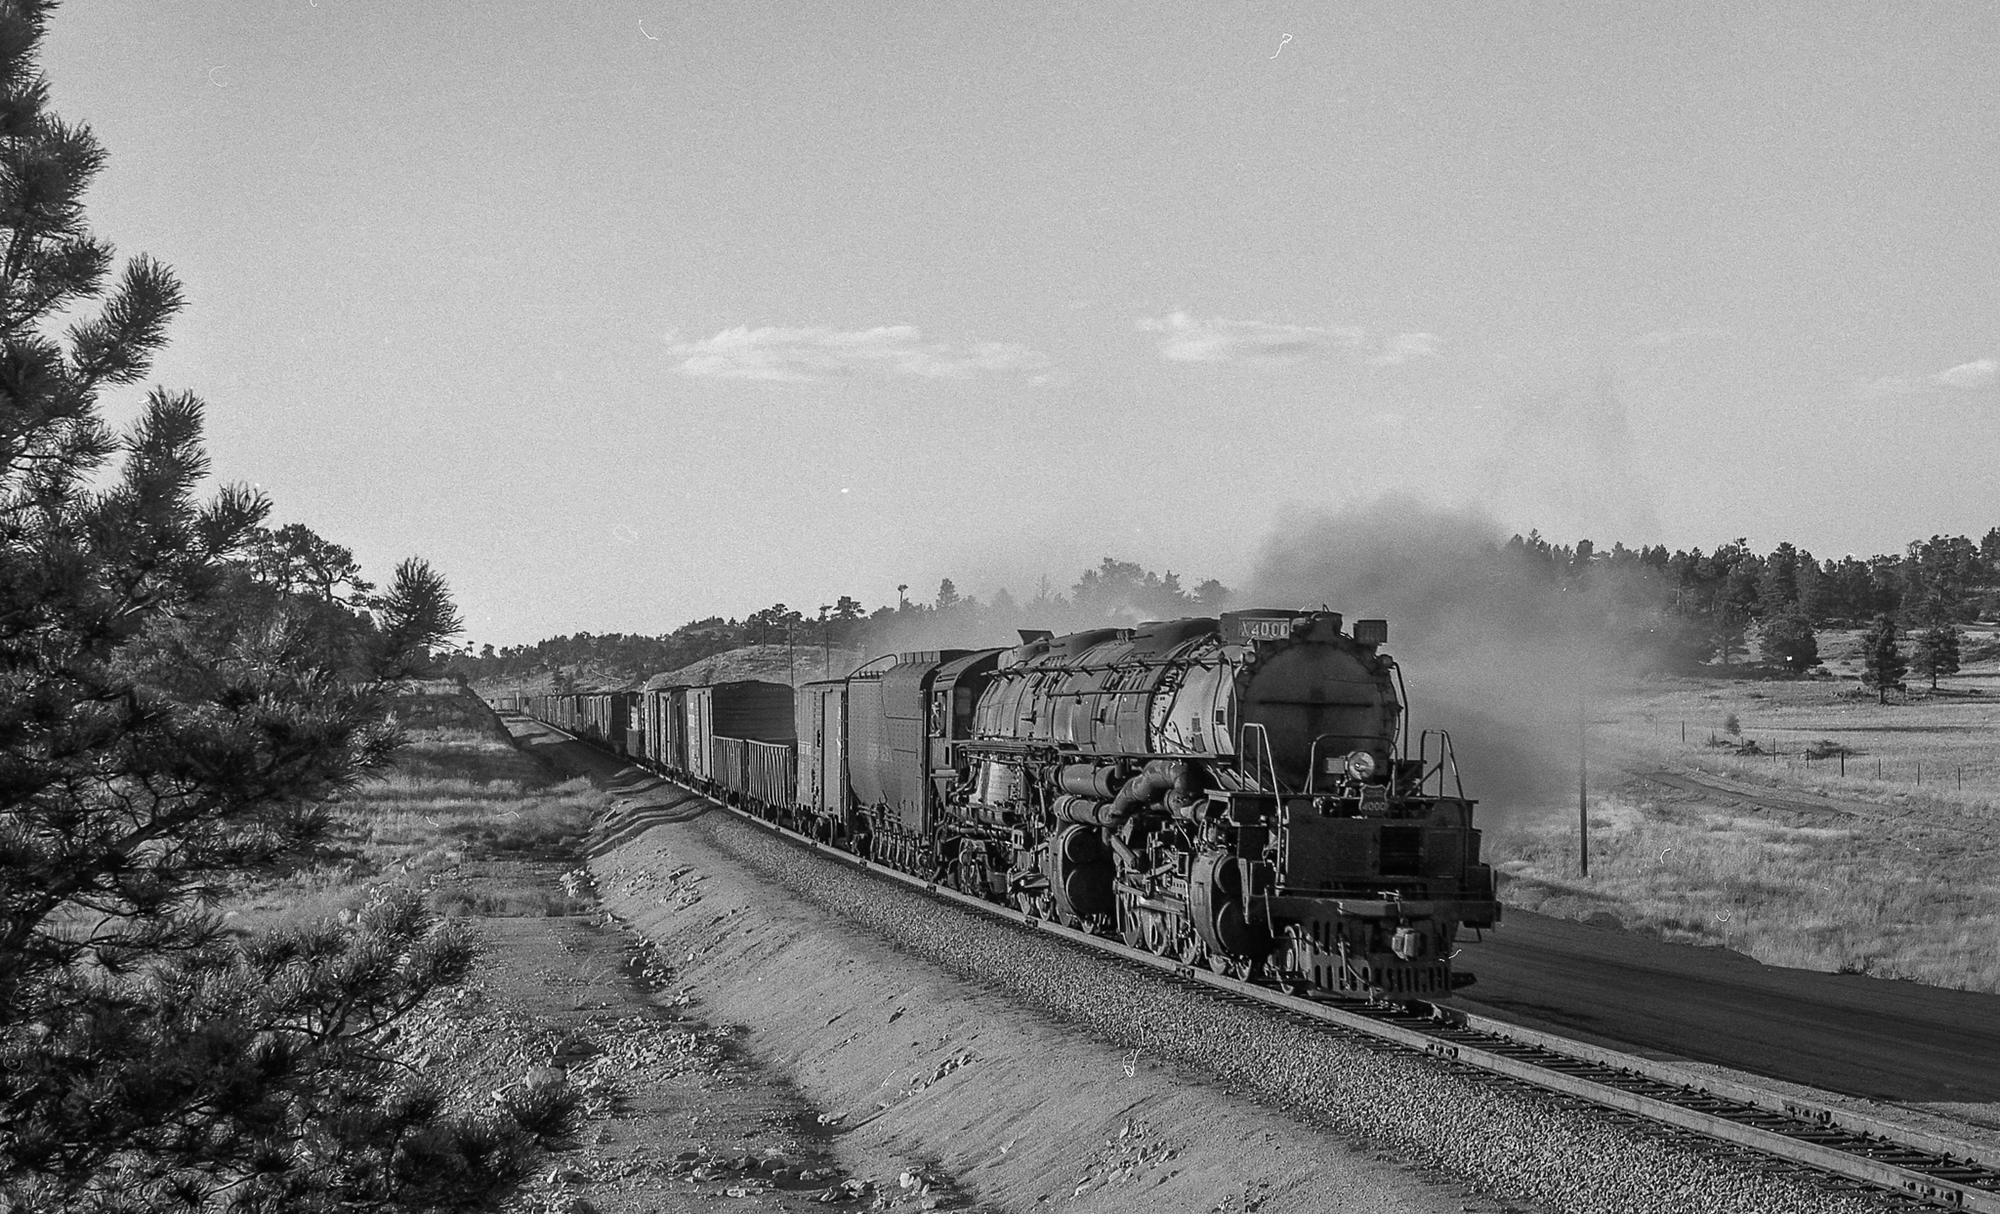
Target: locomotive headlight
[1362,766]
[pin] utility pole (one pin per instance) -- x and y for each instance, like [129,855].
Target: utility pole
[1582,791]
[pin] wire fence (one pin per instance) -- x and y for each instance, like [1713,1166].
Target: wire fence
[1826,758]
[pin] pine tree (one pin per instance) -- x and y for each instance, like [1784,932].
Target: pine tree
[1732,623]
[1882,662]
[167,720]
[416,616]
[1778,586]
[1789,641]
[1936,652]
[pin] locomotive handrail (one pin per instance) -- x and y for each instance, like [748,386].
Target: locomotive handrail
[1403,693]
[1447,757]
[1263,754]
[1312,763]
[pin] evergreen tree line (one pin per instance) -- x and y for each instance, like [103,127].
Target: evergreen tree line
[1684,608]
[1115,591]
[1666,609]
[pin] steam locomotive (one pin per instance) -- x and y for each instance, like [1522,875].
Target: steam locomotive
[1241,792]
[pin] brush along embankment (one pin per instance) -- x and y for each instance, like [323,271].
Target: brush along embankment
[672,1115]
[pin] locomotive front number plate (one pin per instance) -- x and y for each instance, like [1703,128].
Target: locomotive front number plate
[1264,629]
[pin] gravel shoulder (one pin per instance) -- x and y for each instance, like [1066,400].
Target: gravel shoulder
[1023,1111]
[1008,1066]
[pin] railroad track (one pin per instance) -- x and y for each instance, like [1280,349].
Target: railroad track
[1800,1132]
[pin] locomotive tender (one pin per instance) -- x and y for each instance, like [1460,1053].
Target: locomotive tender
[1241,792]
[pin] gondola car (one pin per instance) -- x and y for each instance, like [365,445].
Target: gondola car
[740,743]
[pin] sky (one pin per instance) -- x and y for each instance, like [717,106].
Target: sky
[630,312]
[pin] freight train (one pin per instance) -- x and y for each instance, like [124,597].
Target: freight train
[1243,793]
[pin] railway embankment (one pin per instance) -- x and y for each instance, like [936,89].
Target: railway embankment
[674,1114]
[1035,1074]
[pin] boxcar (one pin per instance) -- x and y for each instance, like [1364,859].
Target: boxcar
[665,725]
[821,783]
[674,720]
[698,709]
[635,724]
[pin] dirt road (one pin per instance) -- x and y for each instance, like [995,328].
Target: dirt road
[1894,1041]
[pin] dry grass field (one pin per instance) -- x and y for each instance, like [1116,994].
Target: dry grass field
[1891,868]
[459,793]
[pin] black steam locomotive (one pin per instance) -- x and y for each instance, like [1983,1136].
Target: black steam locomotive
[1241,792]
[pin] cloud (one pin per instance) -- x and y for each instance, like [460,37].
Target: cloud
[1965,377]
[1405,346]
[1183,339]
[1187,340]
[805,355]
[1968,377]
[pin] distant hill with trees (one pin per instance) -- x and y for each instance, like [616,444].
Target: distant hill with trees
[1668,610]
[785,638]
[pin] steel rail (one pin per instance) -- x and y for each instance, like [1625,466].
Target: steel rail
[1818,1135]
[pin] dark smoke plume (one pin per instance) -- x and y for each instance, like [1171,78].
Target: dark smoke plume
[1494,649]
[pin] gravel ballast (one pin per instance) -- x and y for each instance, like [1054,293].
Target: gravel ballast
[1513,1143]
